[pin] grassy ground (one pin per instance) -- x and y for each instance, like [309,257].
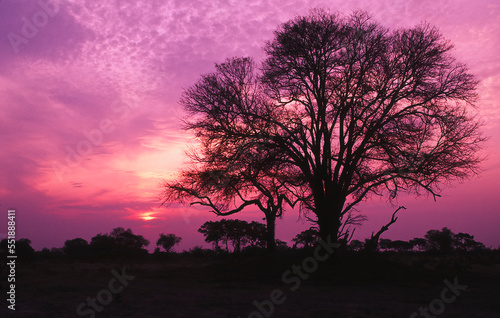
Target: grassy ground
[389,285]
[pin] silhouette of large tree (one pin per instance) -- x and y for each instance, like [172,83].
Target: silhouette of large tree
[365,110]
[350,108]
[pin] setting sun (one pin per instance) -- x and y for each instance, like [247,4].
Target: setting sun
[147,216]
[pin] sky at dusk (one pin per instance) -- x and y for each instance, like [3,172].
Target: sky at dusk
[90,116]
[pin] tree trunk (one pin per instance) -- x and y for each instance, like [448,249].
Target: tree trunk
[328,212]
[270,233]
[329,225]
[371,245]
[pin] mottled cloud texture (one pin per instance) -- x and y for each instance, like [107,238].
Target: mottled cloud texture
[90,120]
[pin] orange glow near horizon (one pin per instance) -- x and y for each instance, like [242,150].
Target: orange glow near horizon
[147,216]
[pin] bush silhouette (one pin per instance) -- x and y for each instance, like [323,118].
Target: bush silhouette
[76,248]
[119,242]
[168,241]
[22,248]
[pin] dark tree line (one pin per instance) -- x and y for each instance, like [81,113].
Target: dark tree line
[443,241]
[237,234]
[340,109]
[234,236]
[119,242]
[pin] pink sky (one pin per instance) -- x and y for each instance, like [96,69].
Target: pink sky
[103,79]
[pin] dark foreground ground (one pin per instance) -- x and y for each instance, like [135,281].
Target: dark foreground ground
[388,285]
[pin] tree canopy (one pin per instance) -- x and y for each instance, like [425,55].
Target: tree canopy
[118,242]
[238,233]
[168,241]
[342,108]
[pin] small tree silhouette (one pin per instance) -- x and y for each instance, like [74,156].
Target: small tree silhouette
[214,233]
[256,233]
[77,248]
[118,242]
[445,241]
[235,232]
[441,241]
[419,243]
[238,233]
[306,238]
[466,242]
[128,239]
[168,241]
